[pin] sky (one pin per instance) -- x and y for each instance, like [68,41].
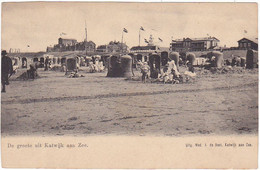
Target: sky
[39,24]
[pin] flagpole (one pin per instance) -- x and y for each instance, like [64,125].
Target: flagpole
[122,41]
[86,38]
[122,36]
[139,36]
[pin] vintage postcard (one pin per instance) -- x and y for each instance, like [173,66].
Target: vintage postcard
[129,85]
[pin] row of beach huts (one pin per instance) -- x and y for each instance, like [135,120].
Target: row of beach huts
[72,60]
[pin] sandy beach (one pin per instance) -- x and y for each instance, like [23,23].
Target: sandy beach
[54,105]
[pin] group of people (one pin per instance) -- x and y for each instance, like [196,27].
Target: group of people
[236,61]
[96,66]
[170,72]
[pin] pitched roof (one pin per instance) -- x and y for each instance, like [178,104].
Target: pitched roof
[198,39]
[68,39]
[255,40]
[144,47]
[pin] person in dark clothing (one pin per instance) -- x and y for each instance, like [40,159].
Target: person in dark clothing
[190,67]
[32,72]
[46,64]
[93,60]
[7,68]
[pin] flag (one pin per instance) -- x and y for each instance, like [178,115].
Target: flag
[28,45]
[125,30]
[145,40]
[160,39]
[245,31]
[142,28]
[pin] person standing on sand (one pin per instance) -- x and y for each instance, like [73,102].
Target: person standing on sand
[46,64]
[7,68]
[144,70]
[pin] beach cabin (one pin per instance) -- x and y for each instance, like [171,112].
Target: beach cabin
[126,66]
[164,58]
[251,59]
[71,65]
[114,68]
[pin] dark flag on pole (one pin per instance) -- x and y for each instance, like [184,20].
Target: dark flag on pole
[28,45]
[160,39]
[125,30]
[142,28]
[145,40]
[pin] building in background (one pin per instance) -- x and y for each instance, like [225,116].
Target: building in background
[149,48]
[72,45]
[90,46]
[248,43]
[113,47]
[144,49]
[102,48]
[67,42]
[194,44]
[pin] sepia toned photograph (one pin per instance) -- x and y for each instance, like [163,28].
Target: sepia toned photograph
[121,69]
